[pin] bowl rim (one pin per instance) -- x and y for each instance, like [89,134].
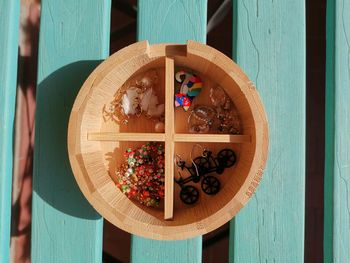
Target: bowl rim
[246,190]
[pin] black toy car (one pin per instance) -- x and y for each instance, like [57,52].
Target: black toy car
[199,170]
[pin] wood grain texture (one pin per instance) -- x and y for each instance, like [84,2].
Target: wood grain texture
[212,138]
[169,138]
[137,136]
[145,250]
[9,31]
[95,163]
[178,137]
[170,21]
[269,44]
[74,36]
[337,169]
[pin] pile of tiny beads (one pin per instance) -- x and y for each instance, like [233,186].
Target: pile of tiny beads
[141,176]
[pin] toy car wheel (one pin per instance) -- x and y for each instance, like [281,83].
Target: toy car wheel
[226,158]
[210,185]
[189,194]
[202,165]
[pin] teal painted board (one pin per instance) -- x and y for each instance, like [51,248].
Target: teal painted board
[172,21]
[9,31]
[154,251]
[337,168]
[169,21]
[269,44]
[74,37]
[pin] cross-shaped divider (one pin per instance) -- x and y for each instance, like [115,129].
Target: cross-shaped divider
[169,137]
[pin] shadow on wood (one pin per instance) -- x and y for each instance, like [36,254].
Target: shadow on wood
[55,183]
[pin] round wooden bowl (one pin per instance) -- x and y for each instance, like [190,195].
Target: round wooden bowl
[95,145]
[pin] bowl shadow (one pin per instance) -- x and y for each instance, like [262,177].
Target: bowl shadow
[53,180]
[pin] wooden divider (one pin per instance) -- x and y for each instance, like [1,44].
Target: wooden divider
[226,138]
[160,137]
[9,32]
[171,24]
[169,137]
[113,136]
[169,141]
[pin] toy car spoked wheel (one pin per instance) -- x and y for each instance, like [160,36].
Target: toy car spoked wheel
[210,185]
[202,165]
[227,158]
[189,194]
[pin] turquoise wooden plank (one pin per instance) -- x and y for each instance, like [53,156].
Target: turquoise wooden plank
[172,21]
[145,250]
[337,155]
[269,44]
[74,37]
[9,31]
[175,22]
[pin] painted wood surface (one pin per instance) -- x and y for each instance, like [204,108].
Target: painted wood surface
[97,181]
[176,22]
[9,31]
[337,155]
[74,37]
[172,21]
[269,45]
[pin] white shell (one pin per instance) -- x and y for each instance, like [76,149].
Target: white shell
[149,104]
[145,100]
[128,101]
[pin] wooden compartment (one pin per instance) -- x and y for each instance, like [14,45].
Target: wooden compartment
[95,146]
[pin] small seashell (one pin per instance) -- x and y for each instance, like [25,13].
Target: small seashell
[128,101]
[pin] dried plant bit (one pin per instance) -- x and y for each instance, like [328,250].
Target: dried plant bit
[141,176]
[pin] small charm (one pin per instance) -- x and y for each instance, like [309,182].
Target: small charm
[141,176]
[226,112]
[199,171]
[191,86]
[219,98]
[201,119]
[182,100]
